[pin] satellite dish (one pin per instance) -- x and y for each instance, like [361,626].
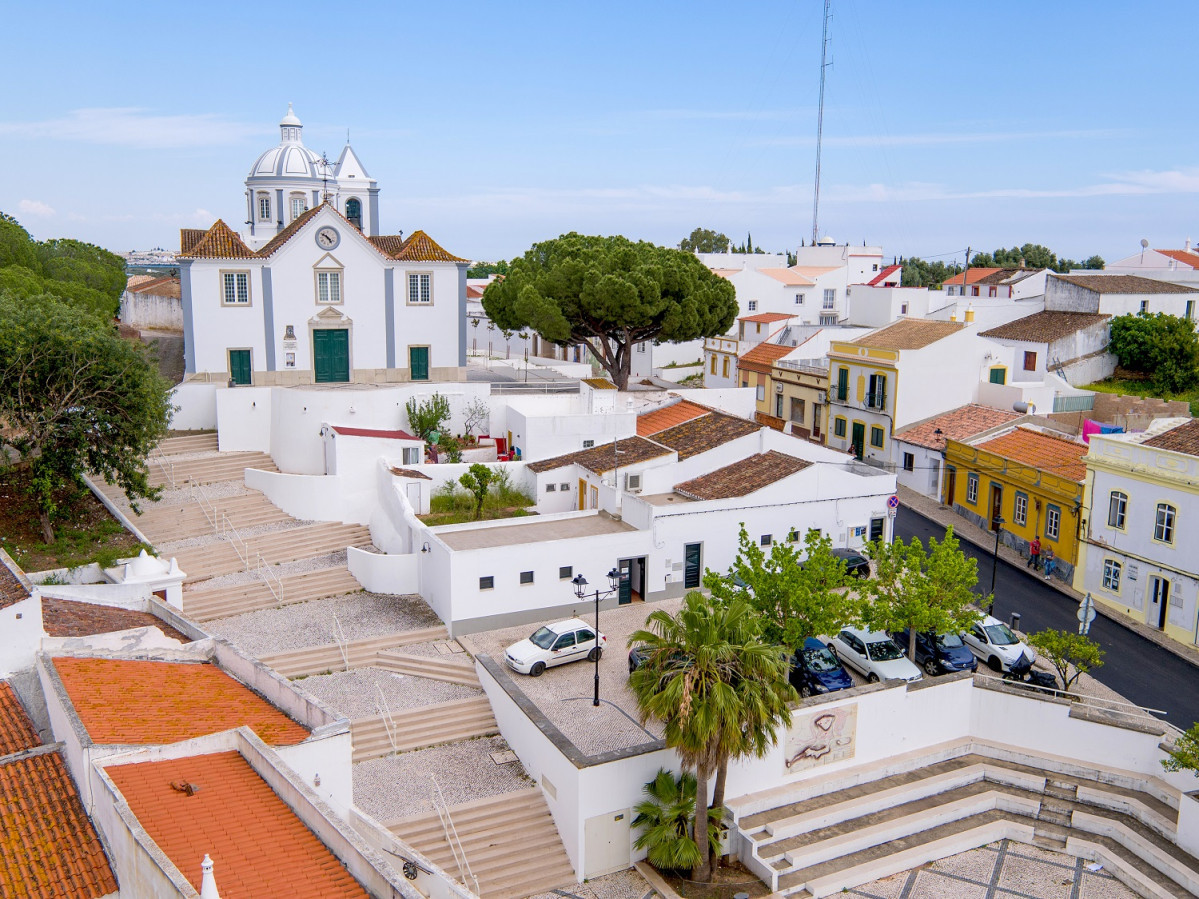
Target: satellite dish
[1144,244]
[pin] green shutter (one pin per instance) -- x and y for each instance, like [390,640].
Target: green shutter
[998,375]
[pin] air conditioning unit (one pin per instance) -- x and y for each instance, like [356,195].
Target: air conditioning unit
[778,387]
[632,483]
[824,397]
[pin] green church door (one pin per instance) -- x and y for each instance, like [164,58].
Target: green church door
[331,355]
[239,366]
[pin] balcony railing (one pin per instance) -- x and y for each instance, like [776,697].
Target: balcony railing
[876,400]
[838,393]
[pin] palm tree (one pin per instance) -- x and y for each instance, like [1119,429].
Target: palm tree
[667,813]
[718,688]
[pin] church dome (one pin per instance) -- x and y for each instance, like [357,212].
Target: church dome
[290,159]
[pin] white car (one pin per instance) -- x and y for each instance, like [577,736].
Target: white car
[555,644]
[993,642]
[874,655]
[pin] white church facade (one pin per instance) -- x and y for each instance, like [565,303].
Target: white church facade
[311,292]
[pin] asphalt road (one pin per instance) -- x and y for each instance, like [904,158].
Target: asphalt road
[1137,669]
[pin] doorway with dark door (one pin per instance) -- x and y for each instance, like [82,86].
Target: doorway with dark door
[692,565]
[1159,601]
[632,580]
[858,442]
[996,505]
[951,484]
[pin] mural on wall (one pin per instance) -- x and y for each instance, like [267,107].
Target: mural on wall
[821,738]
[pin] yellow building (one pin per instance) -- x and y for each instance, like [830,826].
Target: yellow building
[1031,479]
[801,397]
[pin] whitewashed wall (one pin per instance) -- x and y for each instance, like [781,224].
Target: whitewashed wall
[21,627]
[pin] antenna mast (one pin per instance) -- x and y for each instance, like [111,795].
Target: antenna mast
[824,64]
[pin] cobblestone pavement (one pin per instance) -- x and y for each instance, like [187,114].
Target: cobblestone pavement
[627,884]
[1003,870]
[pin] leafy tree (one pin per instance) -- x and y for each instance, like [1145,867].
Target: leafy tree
[918,273]
[1184,756]
[667,813]
[76,399]
[795,599]
[85,263]
[1165,347]
[451,447]
[608,294]
[704,240]
[708,676]
[921,591]
[426,418]
[81,273]
[17,247]
[477,480]
[478,414]
[485,269]
[1092,262]
[1065,650]
[1032,255]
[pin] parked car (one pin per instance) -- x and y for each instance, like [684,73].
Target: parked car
[555,644]
[938,653]
[874,655]
[993,642]
[815,670]
[637,656]
[856,564]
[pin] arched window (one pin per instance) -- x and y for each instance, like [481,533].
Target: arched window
[264,206]
[354,212]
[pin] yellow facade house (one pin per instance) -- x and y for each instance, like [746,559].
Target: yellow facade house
[1029,478]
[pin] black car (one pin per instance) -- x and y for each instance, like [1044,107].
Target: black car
[856,564]
[815,670]
[938,653]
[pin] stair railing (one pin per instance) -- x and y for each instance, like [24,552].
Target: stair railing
[207,507]
[389,724]
[451,835]
[235,540]
[167,468]
[343,644]
[273,582]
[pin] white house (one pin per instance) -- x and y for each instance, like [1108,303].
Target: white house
[1136,554]
[1072,345]
[326,298]
[920,447]
[1119,295]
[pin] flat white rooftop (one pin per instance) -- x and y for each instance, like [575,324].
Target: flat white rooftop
[531,530]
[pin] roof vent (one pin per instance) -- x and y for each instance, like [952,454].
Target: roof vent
[207,881]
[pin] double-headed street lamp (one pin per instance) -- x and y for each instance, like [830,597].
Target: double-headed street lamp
[580,583]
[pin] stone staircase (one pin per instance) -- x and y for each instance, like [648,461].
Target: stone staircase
[163,524]
[832,833]
[201,603]
[455,669]
[426,725]
[171,472]
[221,556]
[362,653]
[510,842]
[191,443]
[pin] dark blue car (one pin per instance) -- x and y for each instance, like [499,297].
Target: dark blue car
[815,670]
[940,653]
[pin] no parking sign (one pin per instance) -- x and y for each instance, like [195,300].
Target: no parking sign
[892,505]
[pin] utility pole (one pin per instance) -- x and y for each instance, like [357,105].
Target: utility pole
[824,64]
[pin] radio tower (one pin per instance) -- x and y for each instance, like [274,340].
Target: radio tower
[824,64]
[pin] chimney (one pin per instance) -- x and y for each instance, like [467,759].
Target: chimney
[1188,245]
[953,317]
[208,882]
[970,313]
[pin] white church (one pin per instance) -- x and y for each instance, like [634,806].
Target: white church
[311,291]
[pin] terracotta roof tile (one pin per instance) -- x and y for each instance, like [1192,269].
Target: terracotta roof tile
[1186,257]
[420,247]
[159,287]
[598,459]
[140,703]
[1047,326]
[766,318]
[188,238]
[16,730]
[48,847]
[1056,455]
[276,243]
[257,844]
[1123,284]
[14,586]
[788,276]
[388,244]
[883,275]
[67,618]
[742,478]
[909,334]
[1182,439]
[702,434]
[668,416]
[961,423]
[219,242]
[599,383]
[976,275]
[410,473]
[763,356]
[372,432]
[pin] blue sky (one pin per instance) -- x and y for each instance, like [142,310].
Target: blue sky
[492,126]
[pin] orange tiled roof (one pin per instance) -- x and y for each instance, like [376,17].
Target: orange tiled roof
[704,433]
[219,242]
[188,238]
[599,459]
[14,586]
[68,618]
[1182,439]
[668,416]
[160,287]
[766,318]
[1123,284]
[16,730]
[975,275]
[388,244]
[1055,455]
[1045,326]
[257,844]
[48,847]
[1186,257]
[763,356]
[420,247]
[882,276]
[961,423]
[139,703]
[909,334]
[742,478]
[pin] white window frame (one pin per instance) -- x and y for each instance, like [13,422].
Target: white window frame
[235,288]
[420,288]
[1165,520]
[298,204]
[1117,515]
[264,207]
[332,292]
[1020,508]
[753,305]
[411,455]
[761,392]
[830,299]
[1053,521]
[799,299]
[1111,575]
[972,488]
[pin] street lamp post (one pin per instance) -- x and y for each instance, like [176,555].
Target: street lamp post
[997,522]
[580,583]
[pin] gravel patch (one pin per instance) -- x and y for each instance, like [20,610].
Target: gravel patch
[398,786]
[283,569]
[185,495]
[626,884]
[355,694]
[305,624]
[424,650]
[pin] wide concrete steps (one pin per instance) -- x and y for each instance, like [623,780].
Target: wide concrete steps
[510,843]
[358,653]
[222,556]
[428,725]
[207,604]
[162,524]
[455,669]
[191,443]
[184,472]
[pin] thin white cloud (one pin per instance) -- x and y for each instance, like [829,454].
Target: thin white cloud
[35,207]
[134,127]
[936,138]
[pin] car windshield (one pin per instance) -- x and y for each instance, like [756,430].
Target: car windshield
[883,651]
[819,660]
[544,638]
[949,641]
[999,635]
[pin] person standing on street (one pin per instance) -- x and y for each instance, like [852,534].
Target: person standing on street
[1050,562]
[1034,554]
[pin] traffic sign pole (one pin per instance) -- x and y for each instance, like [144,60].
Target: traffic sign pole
[1086,614]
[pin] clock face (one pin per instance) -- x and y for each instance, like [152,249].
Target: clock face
[327,238]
